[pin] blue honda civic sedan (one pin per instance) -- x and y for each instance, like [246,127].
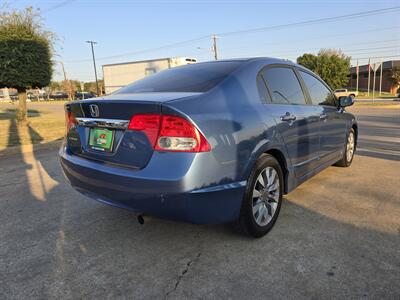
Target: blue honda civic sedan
[209,142]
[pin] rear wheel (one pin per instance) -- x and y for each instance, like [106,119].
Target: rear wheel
[349,150]
[263,197]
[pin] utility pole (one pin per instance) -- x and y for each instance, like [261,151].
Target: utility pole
[369,73]
[67,82]
[94,64]
[357,69]
[214,47]
[373,86]
[380,80]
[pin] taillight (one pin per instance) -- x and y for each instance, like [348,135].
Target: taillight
[149,124]
[178,134]
[69,120]
[170,133]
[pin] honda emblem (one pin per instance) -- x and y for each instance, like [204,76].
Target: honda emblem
[94,110]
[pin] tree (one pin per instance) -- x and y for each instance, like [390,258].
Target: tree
[329,64]
[69,87]
[310,61]
[395,77]
[25,53]
[76,85]
[91,86]
[54,86]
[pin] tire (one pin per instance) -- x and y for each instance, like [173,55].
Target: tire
[346,159]
[267,206]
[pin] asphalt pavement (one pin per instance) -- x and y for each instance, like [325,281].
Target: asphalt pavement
[338,236]
[379,131]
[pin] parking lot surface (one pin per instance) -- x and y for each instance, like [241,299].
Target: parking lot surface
[338,236]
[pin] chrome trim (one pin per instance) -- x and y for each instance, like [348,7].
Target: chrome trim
[94,110]
[107,123]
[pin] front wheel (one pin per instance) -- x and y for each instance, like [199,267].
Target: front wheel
[349,150]
[263,197]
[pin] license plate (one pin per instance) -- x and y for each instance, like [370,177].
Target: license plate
[101,139]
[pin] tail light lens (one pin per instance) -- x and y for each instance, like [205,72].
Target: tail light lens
[170,133]
[149,124]
[70,120]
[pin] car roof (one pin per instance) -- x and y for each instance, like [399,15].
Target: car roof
[265,60]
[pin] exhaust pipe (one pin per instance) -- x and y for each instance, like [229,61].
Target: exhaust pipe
[140,219]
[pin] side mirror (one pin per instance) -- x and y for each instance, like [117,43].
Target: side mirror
[346,101]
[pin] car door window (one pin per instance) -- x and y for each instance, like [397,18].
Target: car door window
[283,85]
[262,90]
[319,93]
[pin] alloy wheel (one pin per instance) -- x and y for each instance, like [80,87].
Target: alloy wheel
[350,147]
[266,195]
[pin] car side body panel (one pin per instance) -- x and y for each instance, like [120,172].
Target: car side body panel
[208,187]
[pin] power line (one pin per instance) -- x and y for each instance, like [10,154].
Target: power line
[143,51]
[269,28]
[315,21]
[375,52]
[56,6]
[335,46]
[304,50]
[375,57]
[319,38]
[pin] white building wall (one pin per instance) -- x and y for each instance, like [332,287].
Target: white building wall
[117,76]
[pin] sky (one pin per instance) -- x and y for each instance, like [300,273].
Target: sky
[137,30]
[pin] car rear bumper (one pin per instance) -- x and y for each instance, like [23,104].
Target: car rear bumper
[179,193]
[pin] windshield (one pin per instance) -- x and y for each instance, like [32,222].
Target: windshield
[189,78]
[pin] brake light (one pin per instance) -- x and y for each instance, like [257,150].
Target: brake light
[70,120]
[149,124]
[170,133]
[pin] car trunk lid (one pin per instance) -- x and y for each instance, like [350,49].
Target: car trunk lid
[107,121]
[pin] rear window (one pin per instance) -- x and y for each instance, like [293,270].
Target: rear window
[190,78]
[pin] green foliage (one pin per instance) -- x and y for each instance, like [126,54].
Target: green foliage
[310,61]
[25,50]
[73,86]
[331,65]
[395,76]
[91,86]
[55,86]
[76,85]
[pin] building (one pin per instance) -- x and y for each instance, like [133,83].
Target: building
[119,75]
[8,94]
[387,83]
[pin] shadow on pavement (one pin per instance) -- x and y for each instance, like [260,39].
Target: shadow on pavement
[379,135]
[13,136]
[55,243]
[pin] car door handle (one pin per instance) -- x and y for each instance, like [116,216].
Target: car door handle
[323,117]
[288,117]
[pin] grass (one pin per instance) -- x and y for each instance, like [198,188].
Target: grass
[46,122]
[384,95]
[379,104]
[43,126]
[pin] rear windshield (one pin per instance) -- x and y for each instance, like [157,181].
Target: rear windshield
[190,78]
